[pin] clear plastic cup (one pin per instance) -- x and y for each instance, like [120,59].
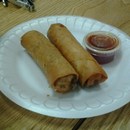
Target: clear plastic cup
[102,45]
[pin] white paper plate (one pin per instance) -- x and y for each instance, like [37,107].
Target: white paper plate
[22,81]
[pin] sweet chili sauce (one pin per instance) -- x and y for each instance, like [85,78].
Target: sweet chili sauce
[102,42]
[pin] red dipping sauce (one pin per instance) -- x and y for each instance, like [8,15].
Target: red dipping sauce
[102,46]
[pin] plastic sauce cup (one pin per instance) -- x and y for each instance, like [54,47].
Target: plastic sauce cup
[102,45]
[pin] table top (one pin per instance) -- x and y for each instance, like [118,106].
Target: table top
[112,12]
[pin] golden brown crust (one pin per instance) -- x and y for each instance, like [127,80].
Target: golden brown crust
[48,58]
[87,67]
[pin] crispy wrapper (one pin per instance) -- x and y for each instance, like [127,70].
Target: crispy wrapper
[90,72]
[59,72]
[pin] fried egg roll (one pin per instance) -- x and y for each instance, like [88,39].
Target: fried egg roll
[90,72]
[59,72]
